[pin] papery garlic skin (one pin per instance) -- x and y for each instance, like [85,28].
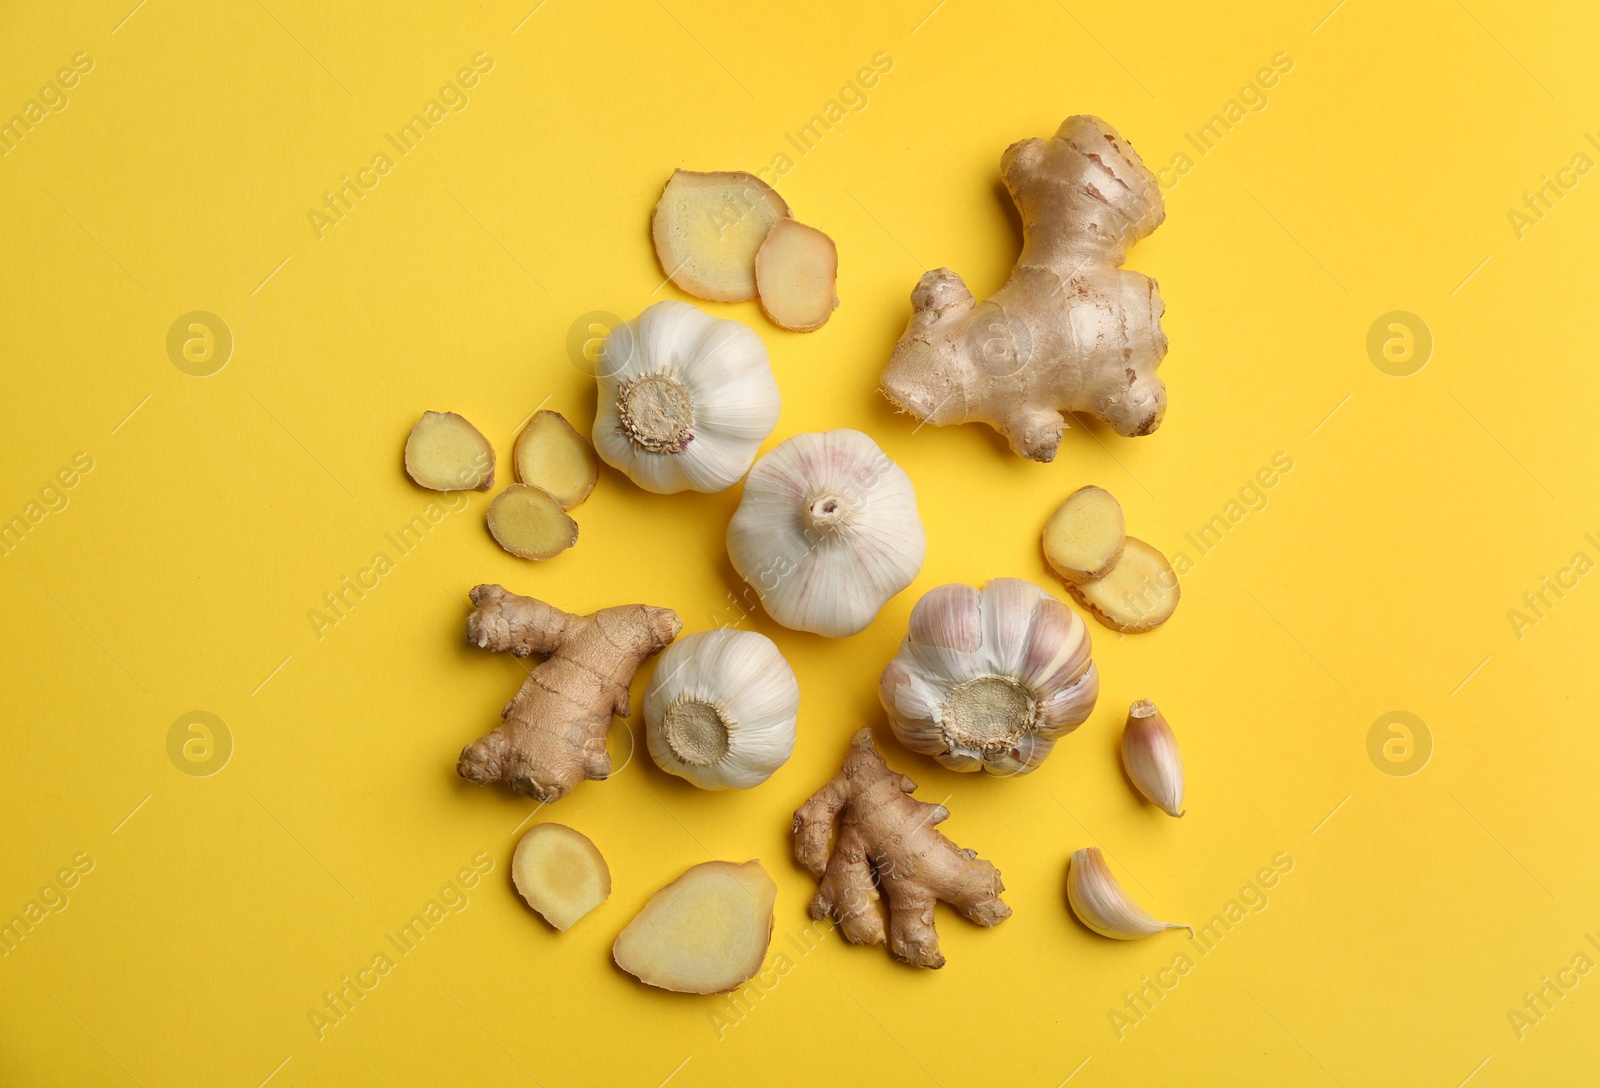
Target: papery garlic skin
[721,708]
[685,399]
[827,532]
[990,679]
[1150,754]
[1101,904]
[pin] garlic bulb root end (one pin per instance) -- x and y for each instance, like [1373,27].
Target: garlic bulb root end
[696,731]
[655,413]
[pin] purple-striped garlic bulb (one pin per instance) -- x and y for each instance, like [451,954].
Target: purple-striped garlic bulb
[990,679]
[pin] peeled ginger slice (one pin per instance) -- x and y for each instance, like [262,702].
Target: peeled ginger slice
[528,523]
[707,228]
[1083,538]
[551,455]
[1140,592]
[705,933]
[796,268]
[560,873]
[446,453]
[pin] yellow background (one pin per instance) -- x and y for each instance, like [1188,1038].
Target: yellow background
[1377,578]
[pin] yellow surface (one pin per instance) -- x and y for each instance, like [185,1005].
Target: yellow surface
[178,576]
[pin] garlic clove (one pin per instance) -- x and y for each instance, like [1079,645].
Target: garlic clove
[1150,754]
[1101,904]
[826,532]
[1008,609]
[720,712]
[945,632]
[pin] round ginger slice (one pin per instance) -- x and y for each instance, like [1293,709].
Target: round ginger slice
[705,933]
[446,453]
[560,873]
[551,455]
[530,524]
[1139,594]
[707,228]
[1083,538]
[796,269]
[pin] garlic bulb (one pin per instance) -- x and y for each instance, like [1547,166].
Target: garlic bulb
[990,679]
[721,708]
[1150,753]
[1101,904]
[686,399]
[827,532]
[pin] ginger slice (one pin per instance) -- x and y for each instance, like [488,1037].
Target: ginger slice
[529,523]
[705,933]
[707,228]
[1083,538]
[796,268]
[553,456]
[1139,594]
[560,873]
[446,453]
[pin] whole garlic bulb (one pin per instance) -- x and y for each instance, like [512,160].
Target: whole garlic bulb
[827,532]
[990,679]
[721,708]
[685,399]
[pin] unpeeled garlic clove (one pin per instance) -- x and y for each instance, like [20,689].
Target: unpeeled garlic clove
[1150,753]
[1101,904]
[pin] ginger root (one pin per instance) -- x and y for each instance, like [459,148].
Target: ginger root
[708,227]
[553,733]
[796,268]
[553,456]
[1083,539]
[1139,594]
[529,523]
[560,873]
[1070,330]
[705,933]
[446,453]
[887,837]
